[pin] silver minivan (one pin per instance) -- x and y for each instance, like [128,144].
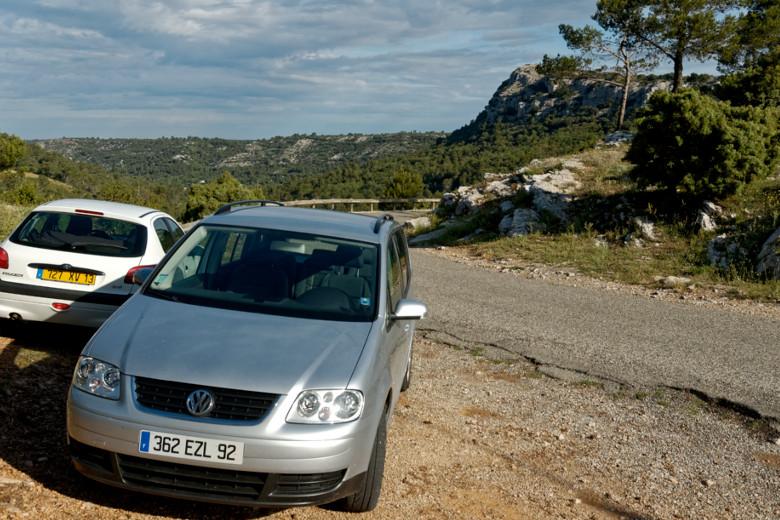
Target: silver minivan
[259,363]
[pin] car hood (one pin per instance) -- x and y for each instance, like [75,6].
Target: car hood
[173,341]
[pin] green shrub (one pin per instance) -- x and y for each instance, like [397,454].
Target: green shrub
[11,150]
[404,185]
[695,147]
[205,199]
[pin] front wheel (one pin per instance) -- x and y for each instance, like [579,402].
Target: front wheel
[368,495]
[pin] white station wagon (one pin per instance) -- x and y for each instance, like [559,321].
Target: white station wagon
[72,261]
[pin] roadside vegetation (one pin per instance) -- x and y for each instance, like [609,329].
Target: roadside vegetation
[716,141]
[598,240]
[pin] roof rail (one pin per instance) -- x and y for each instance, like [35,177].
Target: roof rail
[229,206]
[380,219]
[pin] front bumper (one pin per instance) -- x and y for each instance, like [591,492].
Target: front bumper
[212,485]
[283,465]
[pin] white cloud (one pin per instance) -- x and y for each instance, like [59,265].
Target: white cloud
[255,68]
[207,20]
[26,27]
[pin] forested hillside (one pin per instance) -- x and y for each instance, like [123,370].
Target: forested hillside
[498,148]
[312,166]
[40,175]
[189,160]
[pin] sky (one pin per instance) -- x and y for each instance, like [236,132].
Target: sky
[255,69]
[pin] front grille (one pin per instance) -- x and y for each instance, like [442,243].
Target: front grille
[232,405]
[190,481]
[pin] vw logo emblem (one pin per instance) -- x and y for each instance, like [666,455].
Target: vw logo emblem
[200,403]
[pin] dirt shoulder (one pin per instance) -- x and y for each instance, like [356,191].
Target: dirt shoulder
[470,439]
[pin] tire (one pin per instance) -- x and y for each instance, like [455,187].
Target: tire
[8,327]
[406,383]
[367,497]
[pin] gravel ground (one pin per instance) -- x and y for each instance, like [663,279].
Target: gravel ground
[472,438]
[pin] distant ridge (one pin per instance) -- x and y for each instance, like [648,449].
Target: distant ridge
[191,160]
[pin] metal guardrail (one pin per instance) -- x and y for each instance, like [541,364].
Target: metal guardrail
[331,203]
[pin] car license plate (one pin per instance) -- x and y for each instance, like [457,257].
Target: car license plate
[66,276]
[192,448]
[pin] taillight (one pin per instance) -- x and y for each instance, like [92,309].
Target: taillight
[131,272]
[57,306]
[3,258]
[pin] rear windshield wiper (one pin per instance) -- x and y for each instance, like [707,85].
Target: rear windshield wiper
[113,244]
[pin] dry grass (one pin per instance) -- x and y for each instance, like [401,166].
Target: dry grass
[10,216]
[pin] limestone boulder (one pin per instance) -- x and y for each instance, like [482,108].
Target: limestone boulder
[769,257]
[707,217]
[521,222]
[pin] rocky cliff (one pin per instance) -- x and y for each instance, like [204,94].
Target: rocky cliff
[527,94]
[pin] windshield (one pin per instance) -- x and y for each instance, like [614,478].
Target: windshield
[90,234]
[271,271]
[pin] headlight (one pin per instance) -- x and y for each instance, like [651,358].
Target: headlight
[97,377]
[326,407]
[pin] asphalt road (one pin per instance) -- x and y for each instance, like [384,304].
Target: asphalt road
[584,333]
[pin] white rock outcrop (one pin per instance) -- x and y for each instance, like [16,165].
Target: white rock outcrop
[551,192]
[707,217]
[769,257]
[645,227]
[521,222]
[470,198]
[418,223]
[723,252]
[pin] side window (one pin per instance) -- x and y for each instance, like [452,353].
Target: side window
[164,234]
[175,229]
[395,288]
[234,247]
[403,258]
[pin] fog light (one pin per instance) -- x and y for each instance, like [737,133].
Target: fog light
[57,306]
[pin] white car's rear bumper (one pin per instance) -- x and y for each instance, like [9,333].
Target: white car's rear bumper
[29,303]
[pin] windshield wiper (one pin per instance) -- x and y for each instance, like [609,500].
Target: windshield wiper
[161,295]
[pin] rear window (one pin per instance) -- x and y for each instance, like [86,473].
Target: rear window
[88,234]
[272,272]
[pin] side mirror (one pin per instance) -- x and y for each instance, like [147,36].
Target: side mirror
[410,310]
[140,276]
